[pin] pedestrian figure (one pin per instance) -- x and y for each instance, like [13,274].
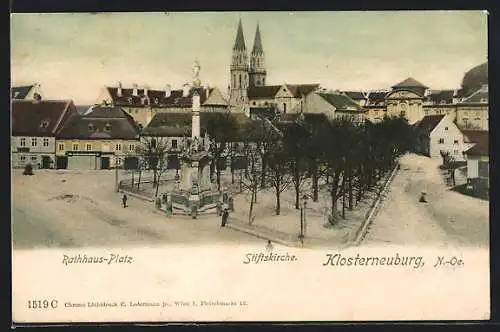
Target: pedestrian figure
[225,215]
[422,198]
[124,201]
[219,208]
[269,245]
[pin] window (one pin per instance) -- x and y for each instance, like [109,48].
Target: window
[61,147]
[174,144]
[33,159]
[22,158]
[455,152]
[107,127]
[441,141]
[455,141]
[443,101]
[33,142]
[254,103]
[89,147]
[22,142]
[75,146]
[284,107]
[131,147]
[484,100]
[118,147]
[91,127]
[45,142]
[445,128]
[119,161]
[44,124]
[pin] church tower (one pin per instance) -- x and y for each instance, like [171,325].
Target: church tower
[238,88]
[257,66]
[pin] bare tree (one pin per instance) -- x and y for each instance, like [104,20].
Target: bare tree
[278,175]
[252,176]
[154,152]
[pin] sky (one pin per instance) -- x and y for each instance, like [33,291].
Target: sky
[74,55]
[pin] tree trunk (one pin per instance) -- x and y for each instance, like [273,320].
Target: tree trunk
[278,205]
[296,184]
[263,175]
[343,198]
[315,184]
[139,181]
[350,191]
[251,209]
[218,178]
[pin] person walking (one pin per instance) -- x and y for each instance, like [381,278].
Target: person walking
[225,215]
[124,201]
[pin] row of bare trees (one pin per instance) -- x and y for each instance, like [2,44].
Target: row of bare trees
[350,158]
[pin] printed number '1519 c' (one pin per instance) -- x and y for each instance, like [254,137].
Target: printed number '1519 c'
[42,304]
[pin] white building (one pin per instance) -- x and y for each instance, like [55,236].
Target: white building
[436,133]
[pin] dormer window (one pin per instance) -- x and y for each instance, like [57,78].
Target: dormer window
[484,100]
[107,127]
[156,100]
[443,101]
[44,124]
[91,127]
[130,100]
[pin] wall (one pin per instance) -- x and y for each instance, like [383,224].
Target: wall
[314,103]
[34,156]
[472,167]
[450,136]
[450,110]
[472,117]
[405,101]
[97,146]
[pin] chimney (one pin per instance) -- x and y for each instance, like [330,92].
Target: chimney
[185,90]
[134,92]
[119,92]
[146,90]
[168,91]
[207,91]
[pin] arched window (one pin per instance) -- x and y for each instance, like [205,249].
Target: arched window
[240,81]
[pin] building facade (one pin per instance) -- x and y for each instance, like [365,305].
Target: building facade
[35,125]
[143,103]
[437,134]
[100,139]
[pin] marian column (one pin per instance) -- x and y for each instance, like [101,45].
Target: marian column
[195,122]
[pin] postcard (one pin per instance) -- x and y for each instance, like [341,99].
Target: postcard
[250,166]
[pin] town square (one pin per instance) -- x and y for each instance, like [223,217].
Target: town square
[233,130]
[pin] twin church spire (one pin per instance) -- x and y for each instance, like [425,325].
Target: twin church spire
[244,73]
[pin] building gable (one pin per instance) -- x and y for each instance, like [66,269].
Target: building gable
[284,92]
[403,94]
[215,98]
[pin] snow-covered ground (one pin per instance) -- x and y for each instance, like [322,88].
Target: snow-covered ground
[449,218]
[81,208]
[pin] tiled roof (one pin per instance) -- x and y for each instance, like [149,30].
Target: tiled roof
[20,92]
[340,102]
[438,96]
[475,136]
[479,149]
[43,118]
[267,91]
[179,125]
[300,90]
[102,122]
[376,98]
[429,122]
[410,82]
[156,98]
[355,95]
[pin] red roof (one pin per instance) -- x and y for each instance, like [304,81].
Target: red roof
[481,146]
[42,118]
